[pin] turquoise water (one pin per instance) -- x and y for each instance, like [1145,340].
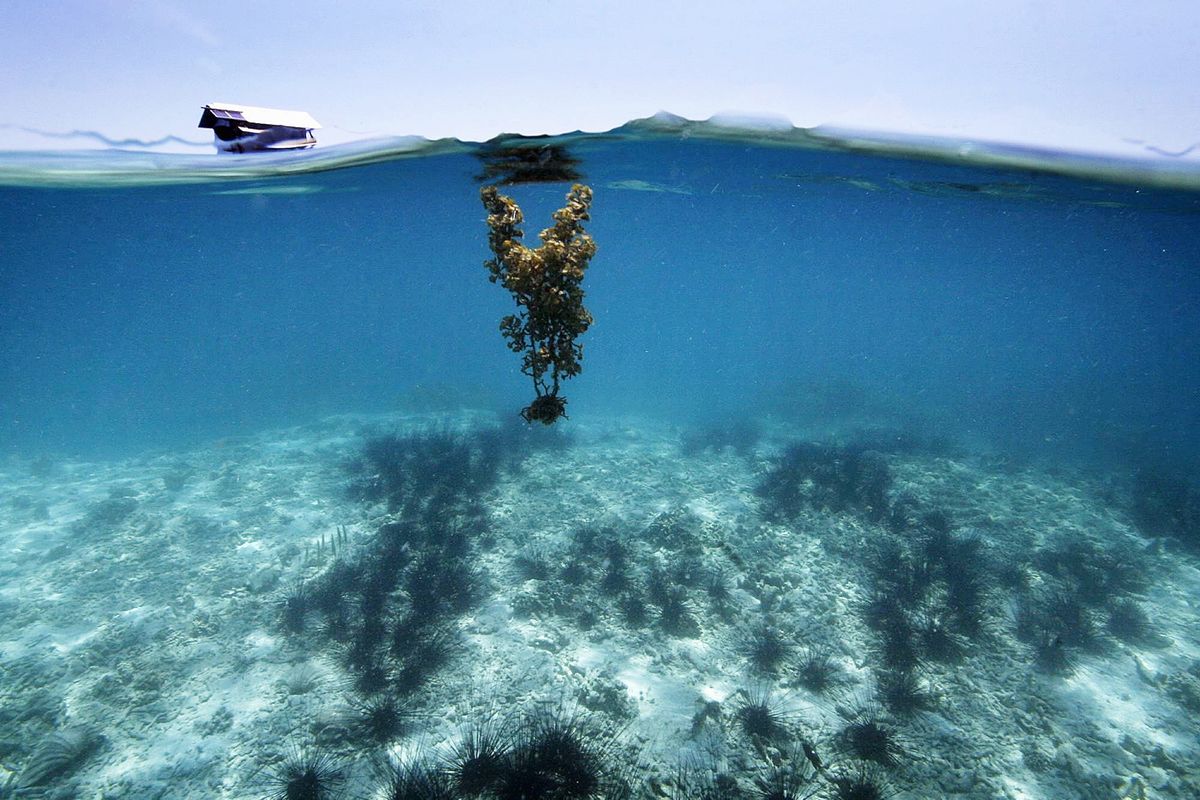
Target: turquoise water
[1019,308]
[877,481]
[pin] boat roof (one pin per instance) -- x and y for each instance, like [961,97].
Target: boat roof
[256,115]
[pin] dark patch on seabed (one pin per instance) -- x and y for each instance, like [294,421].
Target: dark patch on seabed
[447,605]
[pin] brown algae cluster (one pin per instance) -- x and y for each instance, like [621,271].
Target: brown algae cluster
[546,283]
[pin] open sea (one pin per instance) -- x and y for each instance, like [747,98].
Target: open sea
[879,476]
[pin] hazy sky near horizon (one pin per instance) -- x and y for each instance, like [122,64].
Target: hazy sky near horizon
[1101,76]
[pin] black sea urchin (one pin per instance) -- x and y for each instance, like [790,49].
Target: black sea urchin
[294,608]
[416,779]
[816,670]
[791,780]
[761,716]
[555,755]
[766,648]
[1052,655]
[868,738]
[381,718]
[861,782]
[903,693]
[306,775]
[675,614]
[1129,622]
[479,761]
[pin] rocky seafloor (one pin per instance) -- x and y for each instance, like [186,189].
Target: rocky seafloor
[721,611]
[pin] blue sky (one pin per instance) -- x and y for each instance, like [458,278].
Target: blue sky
[1098,76]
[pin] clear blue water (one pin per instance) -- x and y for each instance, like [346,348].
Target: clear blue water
[183,618]
[1012,308]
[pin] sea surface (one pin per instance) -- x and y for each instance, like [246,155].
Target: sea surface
[880,474]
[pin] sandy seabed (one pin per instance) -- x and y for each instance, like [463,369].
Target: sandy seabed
[143,654]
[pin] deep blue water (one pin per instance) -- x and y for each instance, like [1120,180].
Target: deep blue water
[1012,309]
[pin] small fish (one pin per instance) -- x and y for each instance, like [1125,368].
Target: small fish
[813,757]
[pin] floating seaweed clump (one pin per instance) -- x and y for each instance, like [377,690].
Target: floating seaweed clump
[508,160]
[546,283]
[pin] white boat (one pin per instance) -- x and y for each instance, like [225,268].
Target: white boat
[249,129]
